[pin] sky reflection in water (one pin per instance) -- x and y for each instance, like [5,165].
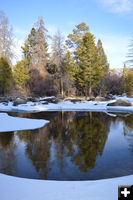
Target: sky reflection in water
[74,146]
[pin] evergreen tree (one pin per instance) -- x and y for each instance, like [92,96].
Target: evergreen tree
[39,50]
[128,80]
[28,45]
[102,89]
[75,39]
[103,58]
[90,71]
[35,52]
[69,66]
[87,72]
[35,48]
[5,76]
[21,74]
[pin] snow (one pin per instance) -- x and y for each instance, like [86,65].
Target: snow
[27,189]
[67,106]
[8,123]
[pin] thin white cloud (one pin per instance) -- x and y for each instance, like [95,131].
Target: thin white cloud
[118,6]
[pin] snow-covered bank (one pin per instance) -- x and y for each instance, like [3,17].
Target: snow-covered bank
[27,189]
[8,123]
[68,106]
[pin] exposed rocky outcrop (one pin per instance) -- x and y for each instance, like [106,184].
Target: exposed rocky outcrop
[120,102]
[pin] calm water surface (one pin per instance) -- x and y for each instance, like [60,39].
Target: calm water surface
[74,146]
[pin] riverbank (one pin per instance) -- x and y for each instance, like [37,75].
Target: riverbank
[45,105]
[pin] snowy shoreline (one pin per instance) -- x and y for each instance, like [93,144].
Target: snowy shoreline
[31,107]
[29,189]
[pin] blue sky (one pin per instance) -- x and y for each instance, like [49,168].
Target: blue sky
[109,20]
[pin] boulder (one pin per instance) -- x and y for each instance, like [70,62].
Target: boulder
[33,99]
[120,102]
[48,99]
[99,98]
[75,99]
[19,101]
[91,99]
[44,102]
[4,99]
[110,97]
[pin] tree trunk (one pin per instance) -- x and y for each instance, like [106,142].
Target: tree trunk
[61,87]
[90,92]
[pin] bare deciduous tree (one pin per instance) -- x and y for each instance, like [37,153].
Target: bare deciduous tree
[58,57]
[6,37]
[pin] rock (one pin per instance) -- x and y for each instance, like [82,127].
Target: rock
[120,102]
[33,99]
[44,102]
[91,99]
[55,101]
[11,98]
[59,96]
[5,103]
[99,98]
[48,99]
[74,99]
[4,100]
[19,101]
[110,97]
[124,94]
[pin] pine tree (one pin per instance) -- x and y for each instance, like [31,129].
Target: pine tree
[39,50]
[90,71]
[21,74]
[103,58]
[128,80]
[69,66]
[102,89]
[35,52]
[75,39]
[28,45]
[35,48]
[5,76]
[87,71]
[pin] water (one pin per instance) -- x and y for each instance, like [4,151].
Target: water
[74,146]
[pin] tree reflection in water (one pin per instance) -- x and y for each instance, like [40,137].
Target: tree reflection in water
[7,153]
[81,136]
[73,142]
